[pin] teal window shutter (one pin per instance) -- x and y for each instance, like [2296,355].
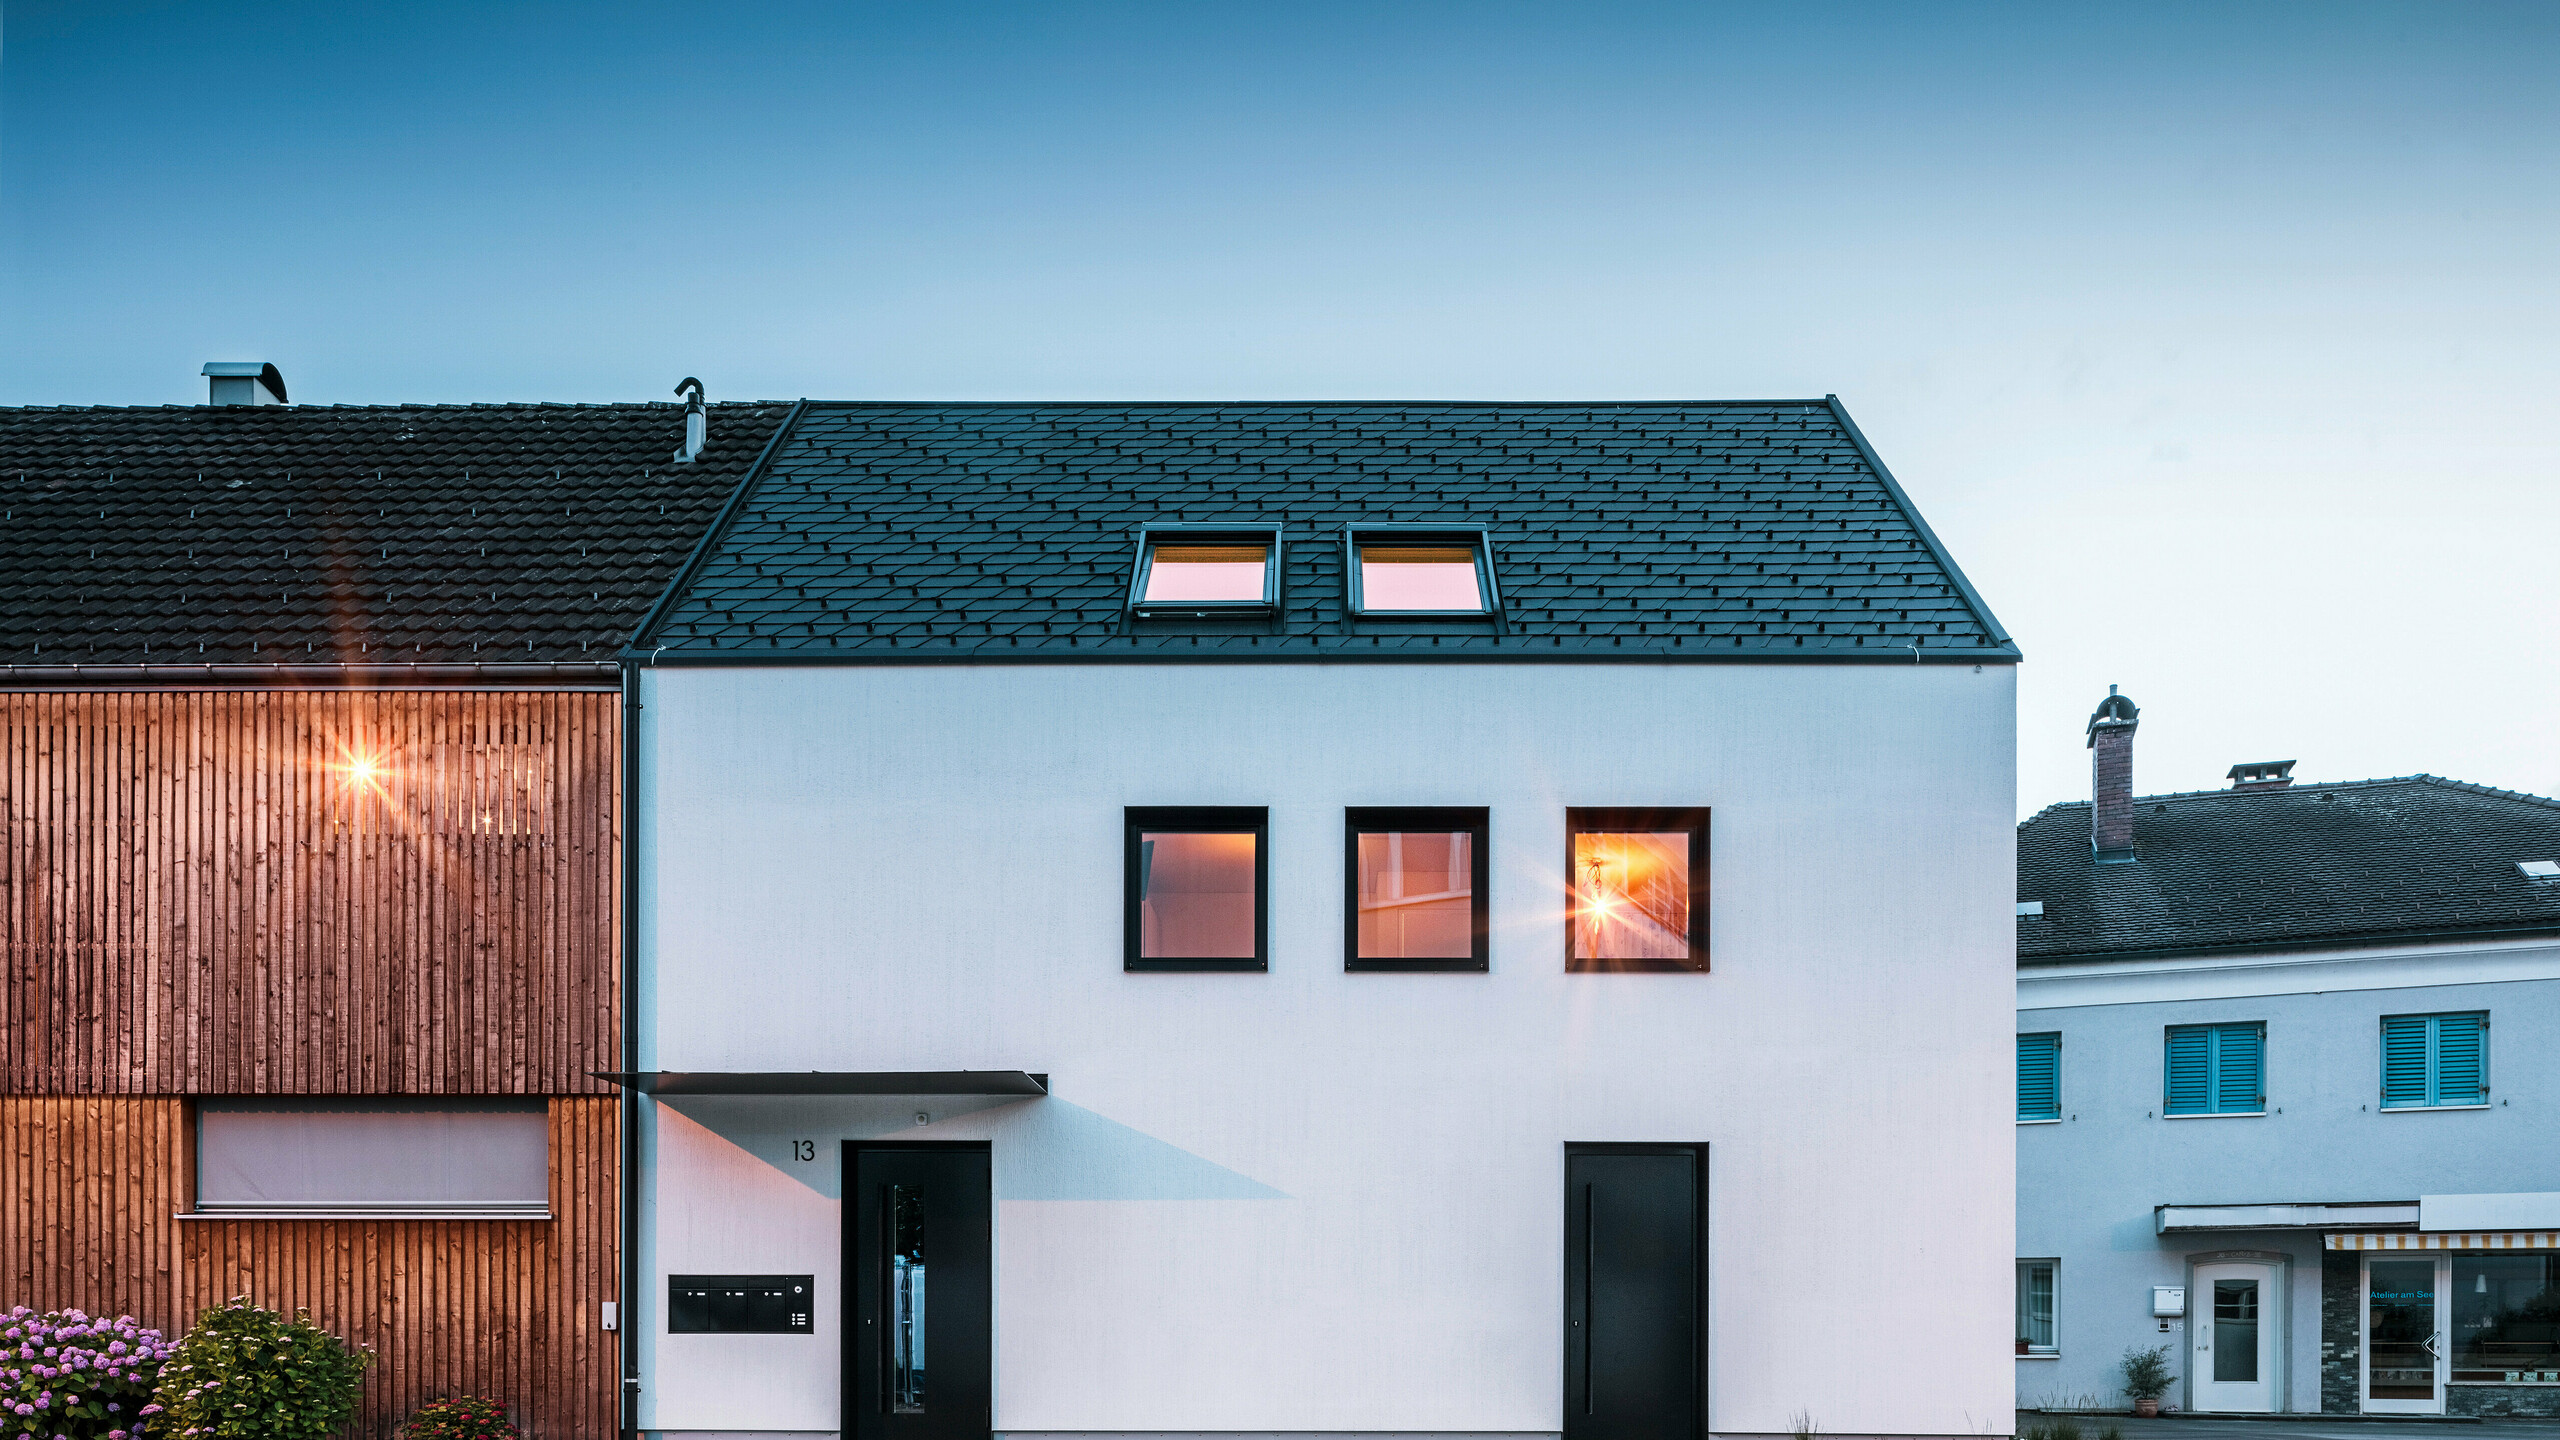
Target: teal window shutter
[2216,1070]
[2239,1071]
[2187,1092]
[2040,1077]
[2461,1047]
[2404,1061]
[2431,1060]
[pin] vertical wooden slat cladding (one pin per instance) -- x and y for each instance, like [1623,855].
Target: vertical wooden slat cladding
[208,892]
[90,1186]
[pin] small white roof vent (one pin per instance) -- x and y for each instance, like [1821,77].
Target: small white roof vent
[2030,907]
[2540,869]
[245,382]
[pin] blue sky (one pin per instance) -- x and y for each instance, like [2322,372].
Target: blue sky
[2218,341]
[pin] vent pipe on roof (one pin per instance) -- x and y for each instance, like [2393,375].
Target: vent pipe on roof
[245,382]
[2111,778]
[694,420]
[2265,775]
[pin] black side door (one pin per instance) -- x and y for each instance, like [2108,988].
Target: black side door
[1635,1331]
[919,1293]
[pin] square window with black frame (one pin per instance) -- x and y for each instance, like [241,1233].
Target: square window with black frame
[1196,888]
[1636,886]
[1416,881]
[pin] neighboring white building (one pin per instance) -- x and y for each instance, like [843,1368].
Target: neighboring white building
[2284,1100]
[1443,919]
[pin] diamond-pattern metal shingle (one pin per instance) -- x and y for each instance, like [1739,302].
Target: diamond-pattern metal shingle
[920,532]
[349,534]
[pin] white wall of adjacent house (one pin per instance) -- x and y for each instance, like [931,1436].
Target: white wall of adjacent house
[1306,1200]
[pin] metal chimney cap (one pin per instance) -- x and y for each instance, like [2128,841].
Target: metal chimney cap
[258,370]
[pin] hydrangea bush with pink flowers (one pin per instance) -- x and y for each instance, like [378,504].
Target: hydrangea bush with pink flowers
[248,1373]
[65,1375]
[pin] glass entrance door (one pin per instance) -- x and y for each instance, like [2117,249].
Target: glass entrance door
[2404,1334]
[2234,1359]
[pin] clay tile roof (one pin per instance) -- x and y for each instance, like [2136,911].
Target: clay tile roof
[2359,862]
[426,533]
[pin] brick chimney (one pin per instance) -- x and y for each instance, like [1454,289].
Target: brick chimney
[2111,779]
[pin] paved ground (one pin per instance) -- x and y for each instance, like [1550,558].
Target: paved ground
[2308,1427]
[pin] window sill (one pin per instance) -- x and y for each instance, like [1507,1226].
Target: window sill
[1453,966]
[1139,967]
[2429,1110]
[364,1215]
[2039,1355]
[2047,1120]
[2221,1115]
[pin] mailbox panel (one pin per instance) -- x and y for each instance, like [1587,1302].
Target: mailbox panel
[739,1304]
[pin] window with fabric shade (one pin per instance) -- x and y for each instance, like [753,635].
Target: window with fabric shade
[2035,1307]
[2216,1070]
[358,1156]
[2433,1061]
[2040,1077]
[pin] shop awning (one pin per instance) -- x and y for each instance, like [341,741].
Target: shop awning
[829,1082]
[2448,1240]
[2304,1216]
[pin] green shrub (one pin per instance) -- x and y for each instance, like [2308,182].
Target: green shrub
[466,1418]
[246,1373]
[68,1375]
[2146,1372]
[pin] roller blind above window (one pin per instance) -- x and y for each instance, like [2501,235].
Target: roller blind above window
[373,1157]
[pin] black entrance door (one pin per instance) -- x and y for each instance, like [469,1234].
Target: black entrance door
[920,1323]
[1635,1330]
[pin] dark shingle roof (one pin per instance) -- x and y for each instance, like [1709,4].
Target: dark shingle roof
[2344,863]
[426,533]
[908,533]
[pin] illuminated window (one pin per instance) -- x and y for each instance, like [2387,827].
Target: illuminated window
[1637,885]
[1199,572]
[1417,889]
[1420,573]
[1196,887]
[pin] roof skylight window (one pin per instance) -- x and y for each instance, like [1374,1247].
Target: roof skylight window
[1419,572]
[1201,572]
[2540,869]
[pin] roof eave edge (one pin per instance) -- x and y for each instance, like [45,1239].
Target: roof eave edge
[665,657]
[719,526]
[2367,940]
[521,674]
[1928,537]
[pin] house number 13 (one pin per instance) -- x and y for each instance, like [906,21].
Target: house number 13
[804,1149]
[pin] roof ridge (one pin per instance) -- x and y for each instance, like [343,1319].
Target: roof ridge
[2420,777]
[400,405]
[1817,403]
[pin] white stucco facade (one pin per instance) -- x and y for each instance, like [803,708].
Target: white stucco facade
[1306,1200]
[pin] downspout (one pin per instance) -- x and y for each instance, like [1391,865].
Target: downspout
[630,993]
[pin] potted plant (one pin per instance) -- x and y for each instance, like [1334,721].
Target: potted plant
[2022,1344]
[2146,1377]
